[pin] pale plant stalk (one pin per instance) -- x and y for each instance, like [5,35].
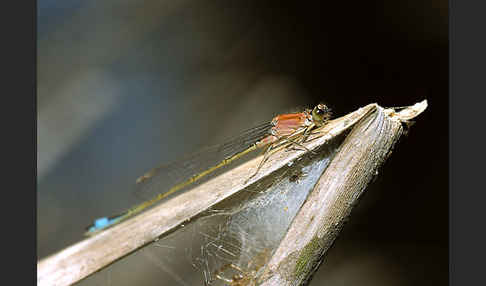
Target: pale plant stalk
[374,132]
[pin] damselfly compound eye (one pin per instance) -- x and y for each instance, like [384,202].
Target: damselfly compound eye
[320,114]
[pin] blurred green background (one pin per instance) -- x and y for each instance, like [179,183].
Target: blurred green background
[123,86]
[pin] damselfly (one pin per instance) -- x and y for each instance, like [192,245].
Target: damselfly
[283,130]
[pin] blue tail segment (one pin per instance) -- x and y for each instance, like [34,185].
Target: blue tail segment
[102,223]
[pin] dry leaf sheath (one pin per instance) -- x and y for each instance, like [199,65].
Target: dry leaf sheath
[374,132]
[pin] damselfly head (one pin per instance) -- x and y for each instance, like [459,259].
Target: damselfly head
[321,113]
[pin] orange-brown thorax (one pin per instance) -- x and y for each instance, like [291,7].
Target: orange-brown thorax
[285,125]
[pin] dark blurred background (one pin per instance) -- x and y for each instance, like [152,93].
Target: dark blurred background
[123,86]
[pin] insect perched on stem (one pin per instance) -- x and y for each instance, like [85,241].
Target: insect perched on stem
[283,130]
